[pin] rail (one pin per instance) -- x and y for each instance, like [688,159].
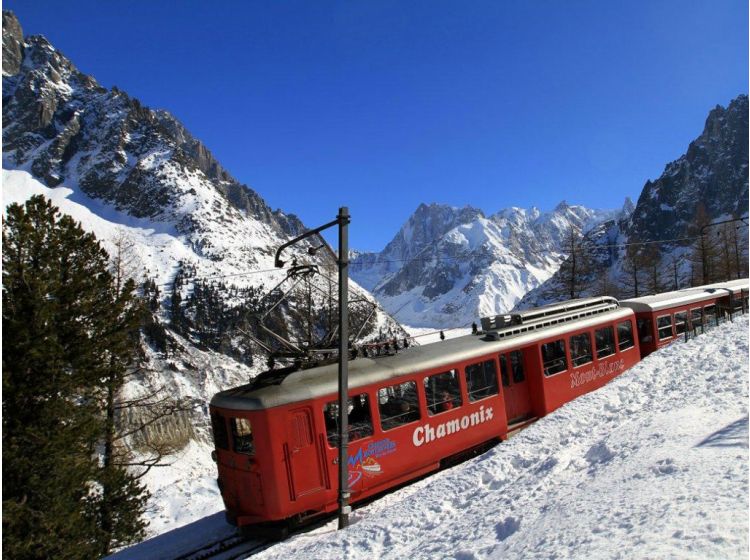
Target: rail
[229,548]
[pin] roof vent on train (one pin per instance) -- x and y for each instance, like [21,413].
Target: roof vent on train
[502,326]
[500,321]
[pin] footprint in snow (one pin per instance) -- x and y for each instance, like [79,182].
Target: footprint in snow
[599,454]
[507,527]
[664,467]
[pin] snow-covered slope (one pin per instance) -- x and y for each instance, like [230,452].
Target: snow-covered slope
[447,267]
[652,465]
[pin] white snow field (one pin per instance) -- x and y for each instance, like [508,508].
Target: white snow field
[653,465]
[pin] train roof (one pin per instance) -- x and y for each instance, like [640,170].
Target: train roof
[686,296]
[323,380]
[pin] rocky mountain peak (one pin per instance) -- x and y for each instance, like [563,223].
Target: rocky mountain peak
[448,266]
[12,44]
[66,128]
[711,177]
[712,173]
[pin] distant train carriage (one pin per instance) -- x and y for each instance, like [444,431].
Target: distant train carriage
[409,413]
[664,318]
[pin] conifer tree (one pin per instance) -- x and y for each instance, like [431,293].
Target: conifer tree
[66,332]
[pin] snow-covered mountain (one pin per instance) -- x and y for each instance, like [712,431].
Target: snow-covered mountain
[708,184]
[446,267]
[131,173]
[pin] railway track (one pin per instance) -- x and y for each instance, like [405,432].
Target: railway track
[234,547]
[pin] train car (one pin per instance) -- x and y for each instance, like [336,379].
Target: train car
[664,318]
[409,413]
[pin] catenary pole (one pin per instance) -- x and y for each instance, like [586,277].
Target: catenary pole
[342,220]
[343,262]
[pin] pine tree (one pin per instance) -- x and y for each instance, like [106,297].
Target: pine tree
[65,333]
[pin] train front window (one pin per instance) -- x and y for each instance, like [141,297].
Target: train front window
[625,335]
[553,357]
[680,322]
[242,436]
[664,324]
[481,379]
[219,429]
[398,405]
[580,349]
[442,392]
[605,342]
[359,418]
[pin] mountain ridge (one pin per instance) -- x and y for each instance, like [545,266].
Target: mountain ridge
[448,266]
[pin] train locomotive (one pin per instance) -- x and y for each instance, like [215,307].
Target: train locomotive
[426,406]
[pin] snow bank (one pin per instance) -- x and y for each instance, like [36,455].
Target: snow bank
[653,465]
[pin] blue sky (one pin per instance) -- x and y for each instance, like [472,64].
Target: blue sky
[381,105]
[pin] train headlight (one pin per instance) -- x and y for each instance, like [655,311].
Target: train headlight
[214,456]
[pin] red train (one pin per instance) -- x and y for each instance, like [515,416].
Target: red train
[412,412]
[662,318]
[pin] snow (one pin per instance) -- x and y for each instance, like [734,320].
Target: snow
[185,492]
[653,465]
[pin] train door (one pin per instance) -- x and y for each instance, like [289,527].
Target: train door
[305,469]
[515,386]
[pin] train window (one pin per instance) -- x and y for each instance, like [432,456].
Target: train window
[709,313]
[398,405]
[360,421]
[553,357]
[580,349]
[219,428]
[644,330]
[737,305]
[664,324]
[442,392]
[625,335]
[605,342]
[516,366]
[481,380]
[680,322]
[504,371]
[242,436]
[696,318]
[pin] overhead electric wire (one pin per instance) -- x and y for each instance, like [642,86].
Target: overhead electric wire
[416,258]
[219,276]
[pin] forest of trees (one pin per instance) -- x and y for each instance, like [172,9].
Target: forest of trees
[711,253]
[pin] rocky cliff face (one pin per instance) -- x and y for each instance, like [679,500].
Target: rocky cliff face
[711,179]
[64,128]
[447,267]
[713,173]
